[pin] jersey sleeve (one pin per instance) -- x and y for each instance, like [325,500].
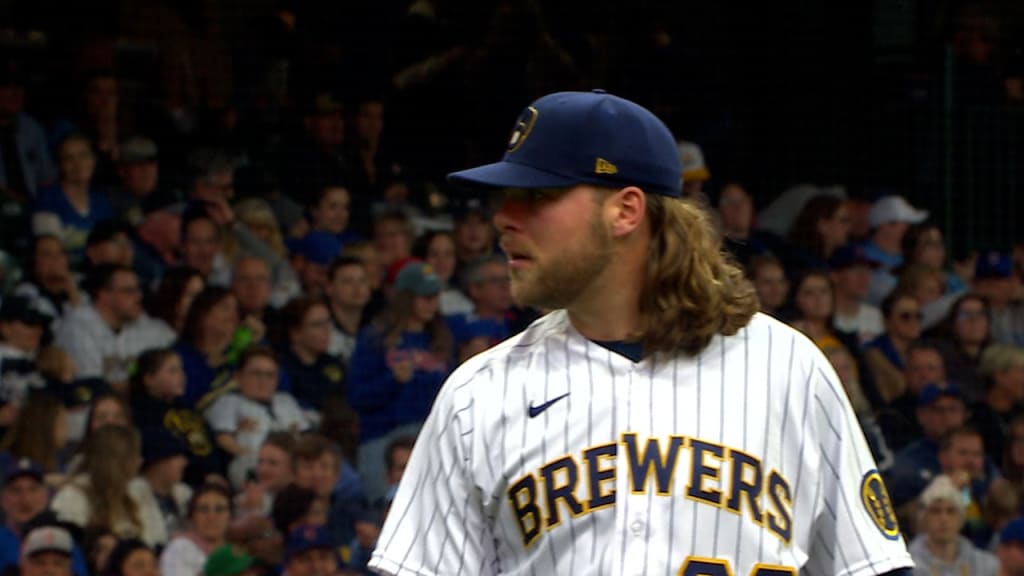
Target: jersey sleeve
[856,531]
[437,523]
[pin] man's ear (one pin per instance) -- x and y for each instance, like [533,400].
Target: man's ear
[625,210]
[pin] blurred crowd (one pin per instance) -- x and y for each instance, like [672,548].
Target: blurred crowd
[222,321]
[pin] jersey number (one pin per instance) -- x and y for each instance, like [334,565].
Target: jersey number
[698,566]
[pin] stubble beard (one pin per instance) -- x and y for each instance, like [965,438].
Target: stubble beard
[558,282]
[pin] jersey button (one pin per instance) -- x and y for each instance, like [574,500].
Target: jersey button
[637,528]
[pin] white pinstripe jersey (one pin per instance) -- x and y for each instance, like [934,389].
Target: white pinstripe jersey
[550,454]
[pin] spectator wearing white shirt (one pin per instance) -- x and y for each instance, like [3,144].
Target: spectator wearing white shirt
[242,419]
[105,336]
[851,276]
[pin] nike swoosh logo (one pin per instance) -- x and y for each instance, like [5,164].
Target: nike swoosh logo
[536,410]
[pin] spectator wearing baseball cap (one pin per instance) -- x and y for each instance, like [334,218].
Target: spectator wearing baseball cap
[939,548]
[308,551]
[164,458]
[890,218]
[311,255]
[47,551]
[695,169]
[851,276]
[1010,551]
[940,408]
[138,172]
[23,496]
[994,279]
[399,364]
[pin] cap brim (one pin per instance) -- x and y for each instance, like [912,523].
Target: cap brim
[510,175]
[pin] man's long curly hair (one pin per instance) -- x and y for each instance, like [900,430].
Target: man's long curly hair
[693,289]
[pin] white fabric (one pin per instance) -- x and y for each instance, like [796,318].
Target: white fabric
[766,397]
[182,557]
[99,352]
[71,504]
[230,411]
[867,323]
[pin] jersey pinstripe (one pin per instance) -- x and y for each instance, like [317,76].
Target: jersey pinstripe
[550,454]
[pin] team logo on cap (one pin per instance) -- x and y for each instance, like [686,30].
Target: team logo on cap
[876,501]
[523,127]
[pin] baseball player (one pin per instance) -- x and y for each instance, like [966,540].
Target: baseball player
[653,422]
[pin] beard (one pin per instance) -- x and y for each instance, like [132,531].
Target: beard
[559,280]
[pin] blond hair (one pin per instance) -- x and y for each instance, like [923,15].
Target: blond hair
[693,290]
[254,213]
[109,452]
[999,358]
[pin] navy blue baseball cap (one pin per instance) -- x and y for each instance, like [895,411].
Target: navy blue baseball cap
[571,138]
[304,538]
[932,392]
[1013,532]
[849,256]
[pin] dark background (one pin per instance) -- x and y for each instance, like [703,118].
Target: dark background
[904,96]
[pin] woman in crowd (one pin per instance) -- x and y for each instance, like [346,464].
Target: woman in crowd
[437,248]
[821,226]
[813,303]
[173,297]
[769,279]
[209,514]
[157,388]
[963,336]
[923,245]
[49,282]
[26,439]
[399,364]
[73,207]
[886,355]
[106,491]
[314,374]
[257,216]
[205,346]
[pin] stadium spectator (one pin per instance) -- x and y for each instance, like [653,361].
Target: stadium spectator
[107,491]
[348,293]
[156,392]
[105,336]
[1002,367]
[964,334]
[206,345]
[890,217]
[314,373]
[886,355]
[399,364]
[437,248]
[939,548]
[242,418]
[71,208]
[851,274]
[209,513]
[769,280]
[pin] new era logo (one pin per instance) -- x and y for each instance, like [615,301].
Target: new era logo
[603,166]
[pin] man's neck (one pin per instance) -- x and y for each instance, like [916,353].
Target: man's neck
[347,317]
[945,551]
[109,318]
[846,306]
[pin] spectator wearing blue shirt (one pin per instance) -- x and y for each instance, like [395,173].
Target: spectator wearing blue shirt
[23,497]
[940,408]
[206,347]
[889,218]
[398,367]
[315,375]
[73,207]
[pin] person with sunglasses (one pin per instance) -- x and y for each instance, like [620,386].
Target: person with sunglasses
[886,355]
